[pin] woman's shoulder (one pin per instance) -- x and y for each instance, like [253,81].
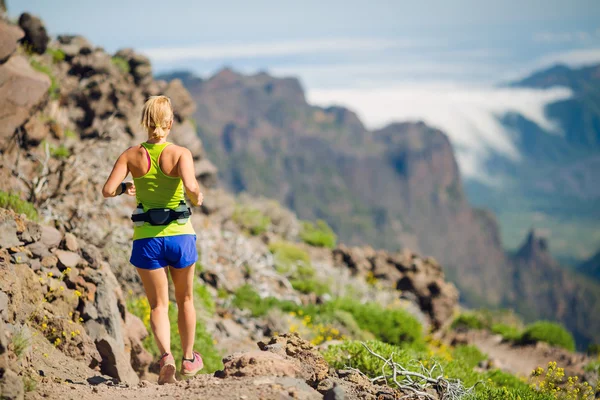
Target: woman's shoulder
[176,149]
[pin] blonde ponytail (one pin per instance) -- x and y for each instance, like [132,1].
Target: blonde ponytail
[157,116]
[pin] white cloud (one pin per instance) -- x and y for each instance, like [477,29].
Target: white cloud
[573,58]
[467,114]
[562,37]
[267,49]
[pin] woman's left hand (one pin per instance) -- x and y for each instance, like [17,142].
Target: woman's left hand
[130,190]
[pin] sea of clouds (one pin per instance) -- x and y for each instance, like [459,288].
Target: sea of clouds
[469,115]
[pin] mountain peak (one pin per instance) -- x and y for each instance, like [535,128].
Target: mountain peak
[535,249]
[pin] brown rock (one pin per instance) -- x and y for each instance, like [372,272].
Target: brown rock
[31,233]
[8,233]
[182,101]
[73,45]
[9,35]
[67,259]
[11,386]
[35,131]
[115,361]
[311,362]
[38,249]
[51,237]
[49,261]
[71,242]
[258,363]
[206,173]
[36,36]
[136,332]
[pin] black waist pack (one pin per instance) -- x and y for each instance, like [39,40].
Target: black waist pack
[160,216]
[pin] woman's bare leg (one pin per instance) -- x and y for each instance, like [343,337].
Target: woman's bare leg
[183,280]
[156,285]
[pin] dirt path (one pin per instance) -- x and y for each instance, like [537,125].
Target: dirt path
[521,360]
[200,387]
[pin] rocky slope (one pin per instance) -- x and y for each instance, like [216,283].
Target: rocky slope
[66,279]
[395,187]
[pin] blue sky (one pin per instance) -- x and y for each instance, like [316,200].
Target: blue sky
[438,61]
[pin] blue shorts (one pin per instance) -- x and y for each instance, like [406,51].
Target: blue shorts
[158,252]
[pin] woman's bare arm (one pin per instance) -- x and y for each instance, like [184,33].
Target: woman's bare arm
[118,174]
[188,176]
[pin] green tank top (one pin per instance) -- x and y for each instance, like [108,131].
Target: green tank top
[157,190]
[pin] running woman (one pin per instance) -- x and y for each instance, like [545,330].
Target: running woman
[164,240]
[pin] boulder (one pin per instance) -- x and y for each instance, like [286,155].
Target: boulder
[71,242]
[8,233]
[139,66]
[32,232]
[35,131]
[95,63]
[72,45]
[21,90]
[310,361]
[136,333]
[258,363]
[115,362]
[49,261]
[67,259]
[36,36]
[38,250]
[51,237]
[11,385]
[183,104]
[206,173]
[9,36]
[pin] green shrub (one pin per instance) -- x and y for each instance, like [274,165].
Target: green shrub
[469,355]
[247,298]
[20,342]
[469,320]
[593,349]
[60,152]
[493,385]
[508,332]
[310,285]
[320,235]
[549,332]
[203,297]
[203,341]
[394,326]
[13,202]
[70,134]
[29,384]
[251,220]
[121,64]
[57,54]
[54,89]
[289,258]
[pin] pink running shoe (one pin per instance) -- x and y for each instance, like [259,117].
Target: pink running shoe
[167,369]
[191,367]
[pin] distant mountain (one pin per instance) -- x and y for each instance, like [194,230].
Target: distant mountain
[554,183]
[395,187]
[578,116]
[591,267]
[550,291]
